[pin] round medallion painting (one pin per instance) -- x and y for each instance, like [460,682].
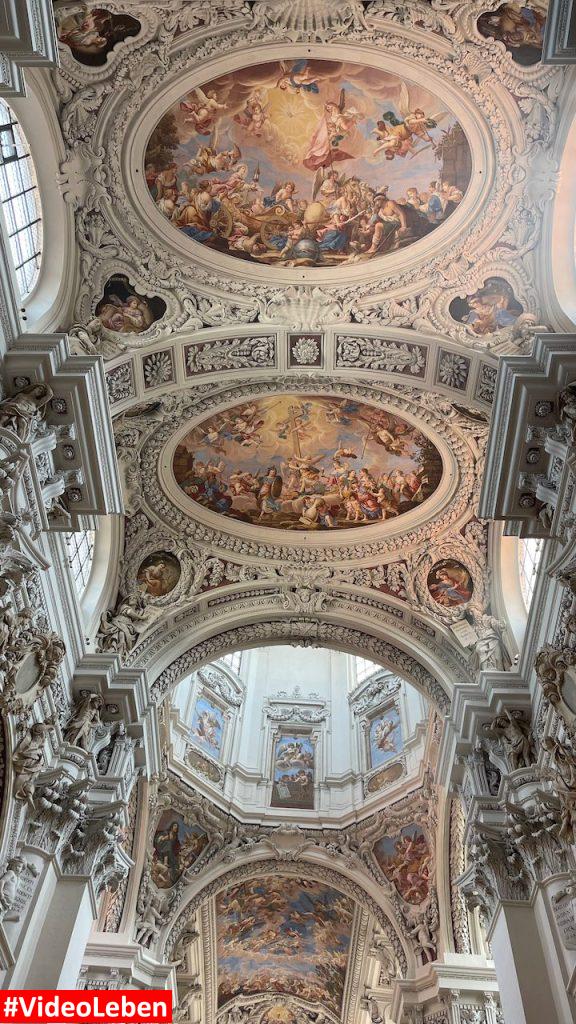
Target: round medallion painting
[307,463]
[450,583]
[159,573]
[307,163]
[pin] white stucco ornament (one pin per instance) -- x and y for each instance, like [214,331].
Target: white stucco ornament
[317,20]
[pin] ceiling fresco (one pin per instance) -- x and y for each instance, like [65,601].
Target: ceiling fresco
[307,463]
[450,583]
[489,308]
[159,573]
[284,935]
[207,726]
[123,310]
[217,177]
[293,771]
[307,163]
[405,860]
[385,737]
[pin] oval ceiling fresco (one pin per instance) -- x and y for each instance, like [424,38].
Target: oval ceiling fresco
[307,463]
[307,163]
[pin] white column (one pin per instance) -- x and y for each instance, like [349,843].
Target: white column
[525,990]
[52,954]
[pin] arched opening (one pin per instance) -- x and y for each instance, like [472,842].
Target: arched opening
[296,737]
[80,548]
[46,301]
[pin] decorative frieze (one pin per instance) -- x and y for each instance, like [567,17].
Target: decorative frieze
[120,383]
[375,354]
[230,354]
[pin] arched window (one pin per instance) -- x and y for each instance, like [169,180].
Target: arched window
[80,556]
[233,661]
[529,555]
[364,668]
[20,200]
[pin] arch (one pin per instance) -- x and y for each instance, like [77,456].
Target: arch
[103,581]
[506,591]
[365,891]
[167,655]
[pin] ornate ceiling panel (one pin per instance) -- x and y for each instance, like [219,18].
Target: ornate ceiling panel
[298,462]
[151,449]
[410,194]
[291,936]
[313,164]
[305,232]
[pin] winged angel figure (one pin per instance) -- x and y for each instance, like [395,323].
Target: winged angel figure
[202,110]
[409,134]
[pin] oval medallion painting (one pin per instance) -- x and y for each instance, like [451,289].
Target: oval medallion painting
[450,583]
[297,462]
[307,163]
[159,573]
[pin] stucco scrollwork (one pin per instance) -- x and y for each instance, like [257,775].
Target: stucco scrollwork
[552,667]
[314,20]
[136,69]
[374,692]
[30,659]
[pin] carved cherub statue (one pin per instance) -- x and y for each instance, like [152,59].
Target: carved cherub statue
[424,944]
[150,921]
[9,880]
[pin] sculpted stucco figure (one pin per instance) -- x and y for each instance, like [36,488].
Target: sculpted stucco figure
[28,759]
[20,412]
[85,721]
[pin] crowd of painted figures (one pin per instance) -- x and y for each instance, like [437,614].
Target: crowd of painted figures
[228,168]
[349,220]
[342,487]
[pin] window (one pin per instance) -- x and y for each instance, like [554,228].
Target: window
[233,661]
[80,556]
[529,555]
[364,668]
[20,200]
